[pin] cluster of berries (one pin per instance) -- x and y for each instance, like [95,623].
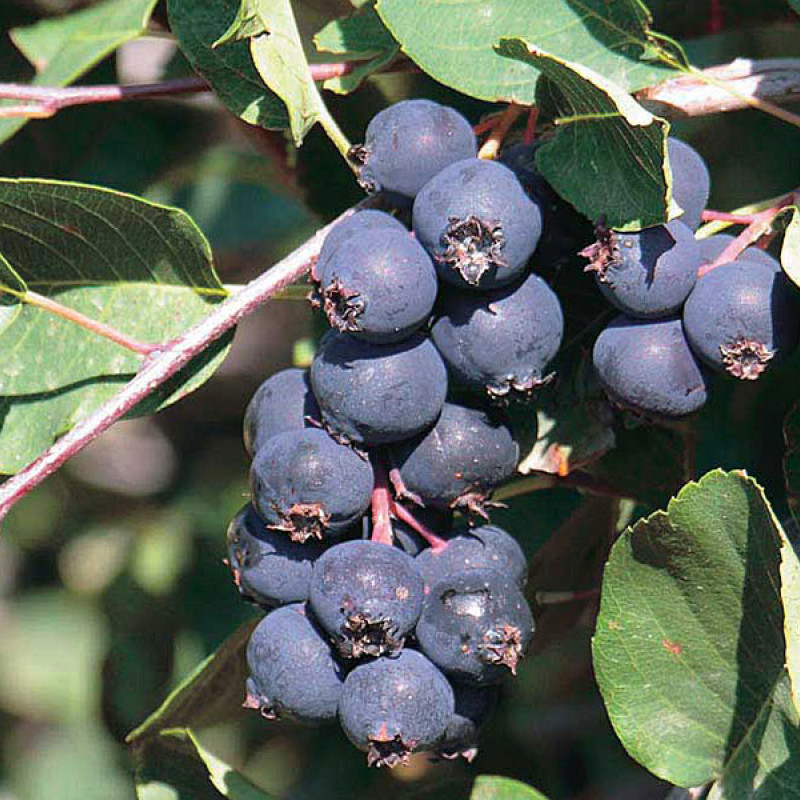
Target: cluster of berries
[681,310]
[395,622]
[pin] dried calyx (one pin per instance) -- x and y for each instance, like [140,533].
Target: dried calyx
[603,254]
[305,521]
[746,359]
[342,307]
[503,645]
[364,636]
[388,751]
[473,246]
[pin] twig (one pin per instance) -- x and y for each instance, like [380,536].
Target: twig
[491,147]
[743,83]
[530,126]
[93,325]
[710,215]
[163,364]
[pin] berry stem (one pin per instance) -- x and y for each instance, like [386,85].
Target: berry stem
[530,126]
[499,131]
[710,215]
[560,598]
[404,515]
[100,328]
[381,504]
[169,359]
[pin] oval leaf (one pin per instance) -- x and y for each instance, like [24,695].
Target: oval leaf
[689,647]
[495,787]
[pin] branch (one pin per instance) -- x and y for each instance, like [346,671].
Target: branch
[163,364]
[743,83]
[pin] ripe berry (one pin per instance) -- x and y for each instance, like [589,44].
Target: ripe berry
[305,483]
[649,273]
[646,366]
[393,707]
[459,461]
[283,402]
[483,547]
[268,567]
[367,596]
[293,672]
[475,626]
[410,142]
[476,221]
[381,287]
[713,246]
[350,230]
[502,340]
[374,394]
[474,705]
[691,183]
[741,318]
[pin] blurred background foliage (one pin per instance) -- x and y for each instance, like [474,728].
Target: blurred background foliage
[112,586]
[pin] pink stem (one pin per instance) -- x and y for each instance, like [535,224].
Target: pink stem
[530,126]
[710,215]
[381,505]
[404,515]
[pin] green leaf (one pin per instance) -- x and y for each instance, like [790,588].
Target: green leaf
[197,24]
[689,646]
[790,249]
[790,564]
[359,37]
[608,158]
[791,459]
[454,42]
[143,268]
[495,787]
[212,693]
[277,52]
[66,47]
[795,4]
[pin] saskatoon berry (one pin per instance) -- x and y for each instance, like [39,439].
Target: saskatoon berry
[501,340]
[283,402]
[475,626]
[691,183]
[293,672]
[458,462]
[268,567]
[381,287]
[649,273]
[351,230]
[474,705]
[305,483]
[742,317]
[476,221]
[374,394]
[713,246]
[392,707]
[367,596]
[646,366]
[483,547]
[410,142]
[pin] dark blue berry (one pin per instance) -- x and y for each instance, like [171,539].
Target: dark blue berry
[646,366]
[483,547]
[691,183]
[476,221]
[305,483]
[350,230]
[475,626]
[741,318]
[457,463]
[408,143]
[713,246]
[374,394]
[293,672]
[649,273]
[392,707]
[501,340]
[381,287]
[267,566]
[367,596]
[283,402]
[474,706]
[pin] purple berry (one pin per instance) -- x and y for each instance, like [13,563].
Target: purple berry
[691,183]
[410,142]
[646,366]
[367,596]
[476,221]
[308,485]
[474,706]
[392,707]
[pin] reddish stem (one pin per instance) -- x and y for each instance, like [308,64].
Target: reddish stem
[530,126]
[404,515]
[491,147]
[381,505]
[710,215]
[716,16]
